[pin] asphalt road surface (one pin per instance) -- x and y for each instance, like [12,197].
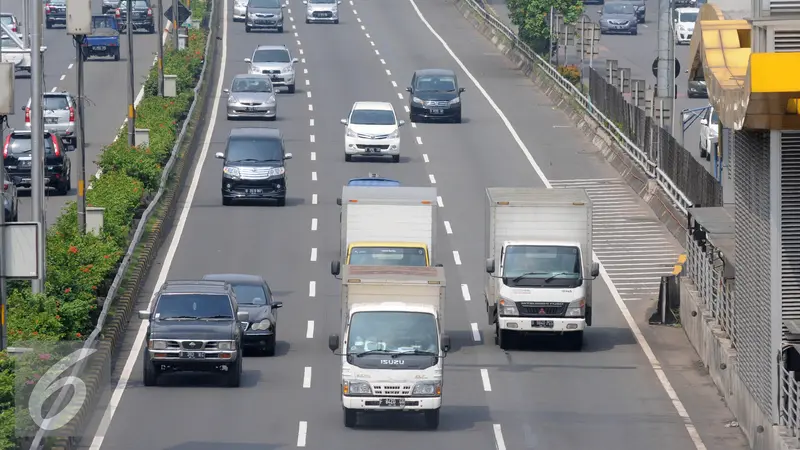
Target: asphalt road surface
[637,53]
[608,397]
[105,88]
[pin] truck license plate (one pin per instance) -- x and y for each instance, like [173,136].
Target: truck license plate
[99,47]
[542,323]
[393,402]
[193,355]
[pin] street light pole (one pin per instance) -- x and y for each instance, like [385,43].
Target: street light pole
[37,142]
[175,24]
[131,81]
[160,48]
[81,139]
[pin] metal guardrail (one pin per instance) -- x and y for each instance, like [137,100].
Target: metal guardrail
[137,236]
[705,267]
[640,157]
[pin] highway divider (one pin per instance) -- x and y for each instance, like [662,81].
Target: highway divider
[93,281]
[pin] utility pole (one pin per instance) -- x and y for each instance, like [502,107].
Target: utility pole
[666,58]
[81,138]
[175,24]
[37,142]
[160,48]
[3,301]
[26,24]
[131,80]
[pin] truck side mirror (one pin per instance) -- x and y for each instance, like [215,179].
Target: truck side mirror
[490,265]
[595,270]
[445,343]
[339,201]
[333,342]
[336,268]
[144,314]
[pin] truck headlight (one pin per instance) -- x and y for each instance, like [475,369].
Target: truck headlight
[226,345]
[427,389]
[507,308]
[261,326]
[158,345]
[356,388]
[577,308]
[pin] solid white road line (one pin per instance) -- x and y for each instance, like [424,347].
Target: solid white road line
[487,385]
[447,227]
[499,442]
[310,330]
[313,199]
[302,432]
[307,377]
[314,254]
[476,333]
[637,332]
[312,288]
[457,257]
[314,223]
[465,292]
[136,349]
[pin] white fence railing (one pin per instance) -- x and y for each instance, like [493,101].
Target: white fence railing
[706,268]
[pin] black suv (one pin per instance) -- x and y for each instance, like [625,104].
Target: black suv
[55,13]
[435,95]
[254,165]
[17,161]
[142,18]
[194,326]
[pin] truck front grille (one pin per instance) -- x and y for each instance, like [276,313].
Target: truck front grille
[388,390]
[541,309]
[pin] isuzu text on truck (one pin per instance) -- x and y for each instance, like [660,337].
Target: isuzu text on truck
[539,263]
[392,344]
[387,226]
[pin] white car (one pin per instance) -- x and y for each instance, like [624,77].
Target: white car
[709,132]
[684,20]
[372,129]
[239,10]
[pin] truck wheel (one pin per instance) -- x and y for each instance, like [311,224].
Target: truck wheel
[432,419]
[235,374]
[116,55]
[575,340]
[502,337]
[48,25]
[149,372]
[350,418]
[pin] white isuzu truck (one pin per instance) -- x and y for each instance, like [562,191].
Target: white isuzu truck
[539,263]
[393,343]
[387,226]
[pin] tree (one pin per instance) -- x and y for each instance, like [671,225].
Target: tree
[531,18]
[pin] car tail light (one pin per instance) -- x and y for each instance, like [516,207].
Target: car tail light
[149,12]
[71,114]
[5,146]
[28,115]
[56,148]
[117,13]
[14,28]
[5,185]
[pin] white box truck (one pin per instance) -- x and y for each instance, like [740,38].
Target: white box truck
[387,226]
[539,263]
[392,342]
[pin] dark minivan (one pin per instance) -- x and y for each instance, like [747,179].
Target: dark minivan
[254,166]
[434,95]
[17,159]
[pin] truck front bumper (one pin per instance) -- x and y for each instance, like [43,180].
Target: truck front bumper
[525,324]
[412,404]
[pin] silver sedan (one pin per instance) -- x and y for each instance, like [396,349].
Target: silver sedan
[252,96]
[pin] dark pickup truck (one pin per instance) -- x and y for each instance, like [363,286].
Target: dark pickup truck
[104,40]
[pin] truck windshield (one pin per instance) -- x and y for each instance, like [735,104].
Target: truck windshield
[388,256]
[102,22]
[392,332]
[542,266]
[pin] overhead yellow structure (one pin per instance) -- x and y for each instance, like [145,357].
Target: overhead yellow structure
[757,91]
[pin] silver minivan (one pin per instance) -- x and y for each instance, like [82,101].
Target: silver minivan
[59,116]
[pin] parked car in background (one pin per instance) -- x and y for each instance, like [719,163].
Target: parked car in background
[618,18]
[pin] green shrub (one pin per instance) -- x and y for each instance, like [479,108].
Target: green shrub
[80,268]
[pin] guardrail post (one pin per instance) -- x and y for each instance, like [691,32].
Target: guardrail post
[637,93]
[649,97]
[612,66]
[624,81]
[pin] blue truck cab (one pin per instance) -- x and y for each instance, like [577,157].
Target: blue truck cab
[372,180]
[104,40]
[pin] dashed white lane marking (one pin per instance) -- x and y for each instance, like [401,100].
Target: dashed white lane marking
[408,110]
[300,50]
[439,201]
[465,292]
[313,155]
[311,122]
[314,223]
[351,2]
[476,333]
[313,254]
[432,178]
[305,71]
[308,94]
[425,158]
[291,19]
[419,140]
[383,61]
[310,330]
[626,313]
[310,107]
[358,19]
[367,35]
[298,42]
[69,67]
[362,26]
[355,12]
[377,53]
[487,385]
[372,43]
[290,11]
[62,78]
[302,432]
[294,27]
[308,83]
[447,227]
[302,60]
[312,288]
[312,138]
[307,377]
[313,176]
[313,199]
[394,83]
[296,35]
[54,89]
[388,72]
[457,257]
[400,96]
[499,442]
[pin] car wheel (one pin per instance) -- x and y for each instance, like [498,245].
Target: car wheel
[227,201]
[16,212]
[234,374]
[350,418]
[395,158]
[247,28]
[149,372]
[634,32]
[457,119]
[269,349]
[336,22]
[432,419]
[282,201]
[116,55]
[291,89]
[502,337]
[308,21]
[348,158]
[152,29]
[280,29]
[703,151]
[273,118]
[64,187]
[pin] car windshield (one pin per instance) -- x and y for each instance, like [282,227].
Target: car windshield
[322,2]
[102,22]
[54,102]
[280,56]
[688,17]
[264,4]
[136,4]
[387,256]
[436,84]
[203,306]
[526,265]
[251,85]
[372,117]
[8,20]
[56,2]
[392,332]
[618,8]
[254,150]
[714,117]
[22,144]
[250,294]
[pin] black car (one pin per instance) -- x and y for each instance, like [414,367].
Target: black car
[57,166]
[10,200]
[141,19]
[194,326]
[55,13]
[254,166]
[435,95]
[254,296]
